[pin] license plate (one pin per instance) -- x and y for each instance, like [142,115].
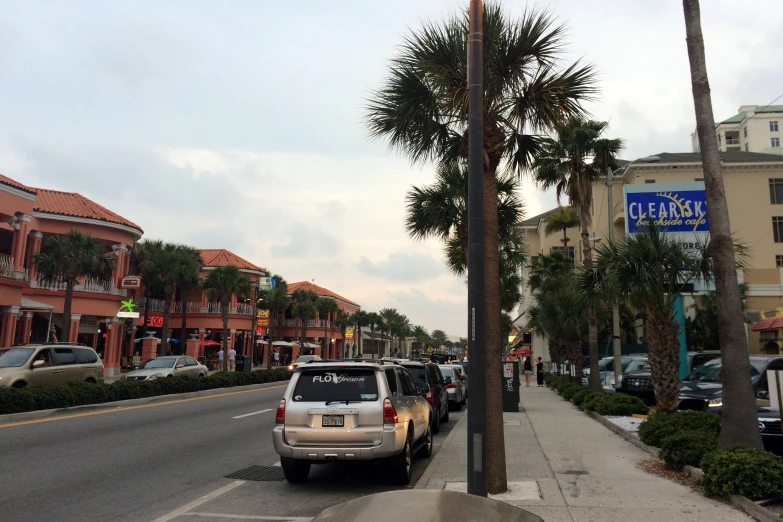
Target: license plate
[333,420]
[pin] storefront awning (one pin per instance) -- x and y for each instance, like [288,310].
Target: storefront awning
[768,324]
[29,304]
[262,341]
[281,343]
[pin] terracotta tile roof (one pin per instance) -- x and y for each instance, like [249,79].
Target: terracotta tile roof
[214,257]
[76,205]
[319,290]
[8,181]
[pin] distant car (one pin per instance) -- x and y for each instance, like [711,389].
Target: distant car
[454,385]
[169,366]
[303,359]
[462,369]
[438,395]
[347,410]
[46,364]
[606,368]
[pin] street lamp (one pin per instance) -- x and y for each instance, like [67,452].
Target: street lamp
[618,355]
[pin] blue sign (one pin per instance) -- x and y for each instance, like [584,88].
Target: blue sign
[672,207]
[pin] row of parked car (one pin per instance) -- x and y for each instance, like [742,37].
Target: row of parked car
[359,409]
[702,390]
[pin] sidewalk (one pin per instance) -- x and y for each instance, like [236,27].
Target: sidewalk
[564,466]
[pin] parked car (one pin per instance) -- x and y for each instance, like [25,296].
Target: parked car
[454,386]
[462,369]
[769,426]
[168,366]
[639,382]
[703,389]
[606,367]
[45,364]
[438,396]
[347,410]
[303,359]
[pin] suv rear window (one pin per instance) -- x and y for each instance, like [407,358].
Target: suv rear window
[85,356]
[337,385]
[417,372]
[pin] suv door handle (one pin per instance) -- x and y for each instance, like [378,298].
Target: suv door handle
[58,371]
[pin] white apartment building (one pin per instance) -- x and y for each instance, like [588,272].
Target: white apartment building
[752,129]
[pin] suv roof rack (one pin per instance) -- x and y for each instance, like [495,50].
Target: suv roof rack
[378,362]
[69,344]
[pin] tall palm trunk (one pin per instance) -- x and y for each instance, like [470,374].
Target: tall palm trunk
[497,481]
[739,417]
[592,323]
[224,315]
[271,338]
[67,310]
[664,353]
[326,344]
[565,242]
[304,331]
[183,331]
[146,320]
[574,352]
[164,331]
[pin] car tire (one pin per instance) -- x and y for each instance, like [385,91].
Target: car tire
[446,417]
[295,471]
[436,428]
[458,405]
[426,450]
[402,464]
[90,380]
[200,375]
[19,385]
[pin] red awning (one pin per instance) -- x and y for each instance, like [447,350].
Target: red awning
[768,324]
[209,343]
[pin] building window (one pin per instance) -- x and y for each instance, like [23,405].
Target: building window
[776,191]
[570,253]
[649,181]
[777,228]
[745,131]
[773,126]
[775,143]
[747,148]
[779,261]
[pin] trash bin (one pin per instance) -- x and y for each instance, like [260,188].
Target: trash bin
[248,363]
[240,366]
[510,386]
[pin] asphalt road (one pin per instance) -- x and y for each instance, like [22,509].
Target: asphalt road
[146,463]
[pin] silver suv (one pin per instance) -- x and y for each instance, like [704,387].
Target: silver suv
[47,364]
[349,410]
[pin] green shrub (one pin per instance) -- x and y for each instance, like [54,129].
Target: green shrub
[580,396]
[661,425]
[13,400]
[621,404]
[737,470]
[687,448]
[593,401]
[569,392]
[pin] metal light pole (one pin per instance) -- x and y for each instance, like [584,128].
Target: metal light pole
[477,425]
[618,353]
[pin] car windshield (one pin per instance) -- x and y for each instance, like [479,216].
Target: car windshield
[418,373]
[634,364]
[14,357]
[338,385]
[163,362]
[447,372]
[305,358]
[711,371]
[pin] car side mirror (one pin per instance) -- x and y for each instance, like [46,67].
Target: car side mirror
[423,388]
[763,395]
[38,363]
[448,380]
[180,365]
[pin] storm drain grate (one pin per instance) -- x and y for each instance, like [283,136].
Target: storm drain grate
[576,472]
[259,474]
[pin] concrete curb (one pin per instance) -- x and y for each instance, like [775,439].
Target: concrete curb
[425,478]
[753,509]
[42,414]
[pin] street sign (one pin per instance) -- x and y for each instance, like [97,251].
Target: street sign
[131,281]
[262,317]
[266,283]
[430,350]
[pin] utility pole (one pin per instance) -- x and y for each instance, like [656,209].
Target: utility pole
[618,350]
[477,425]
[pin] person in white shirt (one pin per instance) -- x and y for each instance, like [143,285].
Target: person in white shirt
[232,360]
[277,358]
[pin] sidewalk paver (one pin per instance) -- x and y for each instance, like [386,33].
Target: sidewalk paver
[583,470]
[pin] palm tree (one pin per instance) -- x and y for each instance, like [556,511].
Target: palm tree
[304,308]
[326,307]
[343,321]
[277,300]
[170,265]
[66,259]
[561,219]
[564,165]
[439,339]
[423,110]
[738,413]
[545,273]
[372,321]
[221,283]
[361,320]
[141,264]
[188,278]
[389,316]
[649,269]
[420,333]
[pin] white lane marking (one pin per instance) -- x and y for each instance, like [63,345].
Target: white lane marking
[206,498]
[250,517]
[249,414]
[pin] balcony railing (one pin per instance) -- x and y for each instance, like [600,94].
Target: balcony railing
[244,309]
[156,305]
[6,265]
[732,141]
[192,307]
[88,284]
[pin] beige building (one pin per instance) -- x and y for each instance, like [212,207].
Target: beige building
[752,129]
[754,189]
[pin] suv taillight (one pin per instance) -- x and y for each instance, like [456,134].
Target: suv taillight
[389,413]
[451,386]
[280,415]
[429,398]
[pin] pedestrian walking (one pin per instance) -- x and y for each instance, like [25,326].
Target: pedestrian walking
[220,360]
[540,371]
[277,357]
[528,366]
[232,360]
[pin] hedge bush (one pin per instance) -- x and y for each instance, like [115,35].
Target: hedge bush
[13,400]
[621,404]
[568,392]
[592,400]
[687,448]
[738,470]
[580,396]
[661,425]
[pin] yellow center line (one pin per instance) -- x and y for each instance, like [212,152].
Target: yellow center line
[127,408]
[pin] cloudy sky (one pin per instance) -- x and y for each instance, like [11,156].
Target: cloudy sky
[239,124]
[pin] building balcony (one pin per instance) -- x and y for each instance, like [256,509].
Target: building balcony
[732,141]
[6,265]
[194,307]
[295,323]
[88,285]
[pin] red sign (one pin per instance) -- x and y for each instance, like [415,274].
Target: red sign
[156,321]
[130,281]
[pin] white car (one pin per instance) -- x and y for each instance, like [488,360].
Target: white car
[453,380]
[169,366]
